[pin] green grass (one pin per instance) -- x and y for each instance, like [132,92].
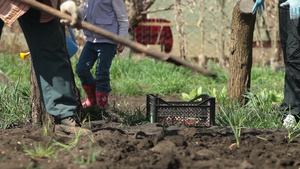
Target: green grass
[15,105]
[90,158]
[133,77]
[131,117]
[40,150]
[139,77]
[15,68]
[15,99]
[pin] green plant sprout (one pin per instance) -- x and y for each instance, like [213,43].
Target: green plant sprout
[164,127]
[237,132]
[292,131]
[31,165]
[90,126]
[40,150]
[235,129]
[46,127]
[75,141]
[131,117]
[70,144]
[91,158]
[194,93]
[219,94]
[262,138]
[5,157]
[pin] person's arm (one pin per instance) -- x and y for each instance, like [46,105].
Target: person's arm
[294,8]
[122,18]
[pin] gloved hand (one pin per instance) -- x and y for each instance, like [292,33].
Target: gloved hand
[294,8]
[69,7]
[258,4]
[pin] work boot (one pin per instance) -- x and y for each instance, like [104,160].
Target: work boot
[68,126]
[102,99]
[90,93]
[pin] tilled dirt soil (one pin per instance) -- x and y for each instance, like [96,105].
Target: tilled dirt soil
[149,146]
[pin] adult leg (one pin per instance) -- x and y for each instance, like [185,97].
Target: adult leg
[290,41]
[49,57]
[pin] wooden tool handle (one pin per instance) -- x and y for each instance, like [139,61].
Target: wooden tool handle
[134,45]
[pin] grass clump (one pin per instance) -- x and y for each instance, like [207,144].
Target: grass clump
[259,112]
[40,150]
[131,117]
[15,105]
[293,132]
[89,159]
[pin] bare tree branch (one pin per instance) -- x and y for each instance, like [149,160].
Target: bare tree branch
[148,5]
[171,7]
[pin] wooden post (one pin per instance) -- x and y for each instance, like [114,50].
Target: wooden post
[240,59]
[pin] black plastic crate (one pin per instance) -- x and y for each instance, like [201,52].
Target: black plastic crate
[198,112]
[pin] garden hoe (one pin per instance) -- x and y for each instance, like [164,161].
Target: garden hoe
[133,45]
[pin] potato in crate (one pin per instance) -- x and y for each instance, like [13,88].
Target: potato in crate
[198,112]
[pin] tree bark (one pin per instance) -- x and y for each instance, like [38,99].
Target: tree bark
[39,114]
[180,28]
[240,60]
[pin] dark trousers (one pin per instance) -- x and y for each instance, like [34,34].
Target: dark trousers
[51,64]
[1,26]
[290,41]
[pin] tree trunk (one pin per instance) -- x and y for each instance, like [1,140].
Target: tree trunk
[275,48]
[39,114]
[180,28]
[240,59]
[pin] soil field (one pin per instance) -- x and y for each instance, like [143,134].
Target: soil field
[146,146]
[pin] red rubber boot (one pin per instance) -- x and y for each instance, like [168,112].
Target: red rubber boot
[102,99]
[91,96]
